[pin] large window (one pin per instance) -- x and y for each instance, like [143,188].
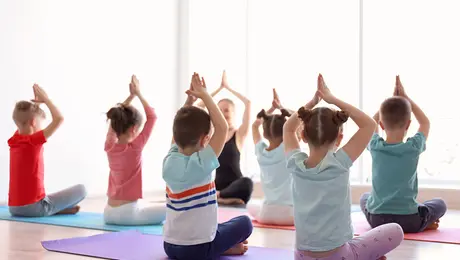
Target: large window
[83,54]
[290,42]
[358,46]
[417,40]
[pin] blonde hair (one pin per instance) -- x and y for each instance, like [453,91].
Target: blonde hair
[24,111]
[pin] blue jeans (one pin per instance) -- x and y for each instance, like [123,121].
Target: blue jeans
[228,235]
[428,213]
[52,203]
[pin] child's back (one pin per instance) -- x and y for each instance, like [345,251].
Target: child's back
[124,145]
[321,187]
[394,175]
[323,194]
[26,169]
[276,180]
[191,196]
[27,195]
[394,168]
[191,229]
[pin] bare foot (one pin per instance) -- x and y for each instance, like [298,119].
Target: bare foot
[433,226]
[69,211]
[230,201]
[238,249]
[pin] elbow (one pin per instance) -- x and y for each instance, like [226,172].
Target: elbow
[374,124]
[247,103]
[59,120]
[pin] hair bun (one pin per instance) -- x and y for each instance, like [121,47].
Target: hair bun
[285,113]
[262,114]
[340,117]
[115,113]
[304,114]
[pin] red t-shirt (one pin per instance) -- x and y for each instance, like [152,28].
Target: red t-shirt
[26,169]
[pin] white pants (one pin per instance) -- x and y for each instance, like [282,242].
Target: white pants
[281,215]
[135,214]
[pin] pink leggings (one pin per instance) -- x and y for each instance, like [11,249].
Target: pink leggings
[370,246]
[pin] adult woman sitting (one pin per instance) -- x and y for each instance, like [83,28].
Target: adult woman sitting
[232,187]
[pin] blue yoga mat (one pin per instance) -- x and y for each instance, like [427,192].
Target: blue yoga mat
[86,220]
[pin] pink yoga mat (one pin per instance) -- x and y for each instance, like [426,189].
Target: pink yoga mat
[227,214]
[447,232]
[133,245]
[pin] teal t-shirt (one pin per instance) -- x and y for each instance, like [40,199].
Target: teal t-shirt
[322,201]
[394,175]
[275,178]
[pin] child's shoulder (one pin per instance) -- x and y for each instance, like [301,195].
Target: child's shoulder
[36,138]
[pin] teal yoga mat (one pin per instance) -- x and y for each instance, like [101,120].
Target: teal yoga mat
[86,220]
[92,220]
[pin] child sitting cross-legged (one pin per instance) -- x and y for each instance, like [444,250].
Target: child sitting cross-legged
[27,197]
[276,180]
[393,198]
[191,230]
[321,185]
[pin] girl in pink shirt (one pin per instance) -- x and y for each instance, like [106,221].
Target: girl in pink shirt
[124,145]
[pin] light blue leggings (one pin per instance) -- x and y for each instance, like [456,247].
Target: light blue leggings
[52,203]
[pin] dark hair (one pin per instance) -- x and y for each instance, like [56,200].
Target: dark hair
[190,124]
[123,118]
[395,112]
[322,125]
[25,111]
[273,124]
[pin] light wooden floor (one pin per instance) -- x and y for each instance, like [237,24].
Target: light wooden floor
[21,241]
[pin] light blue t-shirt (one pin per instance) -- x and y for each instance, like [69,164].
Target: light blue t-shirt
[276,179]
[191,214]
[182,172]
[322,201]
[394,175]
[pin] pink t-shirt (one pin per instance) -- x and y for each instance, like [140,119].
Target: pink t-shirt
[125,162]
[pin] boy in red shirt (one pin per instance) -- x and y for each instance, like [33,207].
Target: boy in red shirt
[27,196]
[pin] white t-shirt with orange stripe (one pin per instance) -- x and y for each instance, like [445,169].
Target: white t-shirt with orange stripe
[191,214]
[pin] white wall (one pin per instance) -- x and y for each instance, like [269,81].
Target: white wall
[83,54]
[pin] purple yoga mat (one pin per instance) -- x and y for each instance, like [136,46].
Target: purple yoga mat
[132,245]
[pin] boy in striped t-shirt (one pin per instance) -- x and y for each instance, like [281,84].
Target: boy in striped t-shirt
[191,230]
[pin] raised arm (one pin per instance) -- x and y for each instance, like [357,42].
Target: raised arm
[276,103]
[213,94]
[256,136]
[111,137]
[151,117]
[376,118]
[57,118]
[290,129]
[358,143]
[188,102]
[421,117]
[243,130]
[219,137]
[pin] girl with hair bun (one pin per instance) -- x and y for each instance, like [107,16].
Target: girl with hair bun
[276,209]
[124,145]
[321,186]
